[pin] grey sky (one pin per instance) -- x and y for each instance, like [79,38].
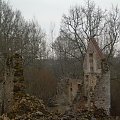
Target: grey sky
[47,11]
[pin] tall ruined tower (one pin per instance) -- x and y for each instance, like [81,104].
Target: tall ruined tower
[13,82]
[96,77]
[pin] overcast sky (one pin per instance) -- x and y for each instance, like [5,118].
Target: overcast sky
[51,11]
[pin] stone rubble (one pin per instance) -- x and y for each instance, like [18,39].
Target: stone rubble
[28,107]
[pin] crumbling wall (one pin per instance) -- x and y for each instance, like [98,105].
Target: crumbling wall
[74,90]
[70,88]
[102,92]
[8,86]
[97,88]
[1,97]
[13,82]
[18,80]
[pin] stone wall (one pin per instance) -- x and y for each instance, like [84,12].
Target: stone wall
[102,92]
[13,81]
[74,86]
[8,86]
[1,97]
[98,91]
[69,91]
[96,78]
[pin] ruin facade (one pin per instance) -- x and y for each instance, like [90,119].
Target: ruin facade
[69,90]
[96,77]
[74,88]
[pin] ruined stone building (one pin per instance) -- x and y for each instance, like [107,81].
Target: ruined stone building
[94,90]
[96,77]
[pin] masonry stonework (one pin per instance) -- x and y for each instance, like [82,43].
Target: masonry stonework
[68,89]
[102,92]
[13,82]
[96,77]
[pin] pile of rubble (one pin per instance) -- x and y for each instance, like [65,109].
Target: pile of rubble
[98,114]
[25,106]
[28,107]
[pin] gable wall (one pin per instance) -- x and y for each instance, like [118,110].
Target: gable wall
[97,80]
[96,59]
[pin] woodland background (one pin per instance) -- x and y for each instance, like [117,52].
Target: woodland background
[45,64]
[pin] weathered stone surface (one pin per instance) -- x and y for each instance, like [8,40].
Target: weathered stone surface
[13,81]
[102,92]
[96,77]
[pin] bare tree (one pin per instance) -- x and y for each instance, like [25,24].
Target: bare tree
[19,35]
[111,32]
[86,22]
